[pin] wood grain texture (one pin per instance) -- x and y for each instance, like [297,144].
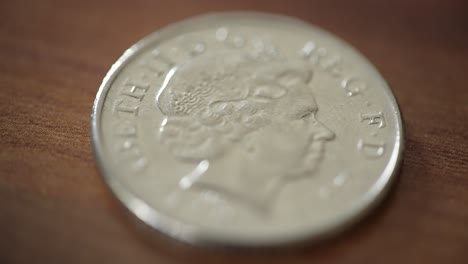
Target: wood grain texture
[54,207]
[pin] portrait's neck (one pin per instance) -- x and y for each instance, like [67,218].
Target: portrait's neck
[238,179]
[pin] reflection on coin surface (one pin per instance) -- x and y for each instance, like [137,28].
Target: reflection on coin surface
[246,129]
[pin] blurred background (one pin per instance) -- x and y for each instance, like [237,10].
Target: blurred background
[54,207]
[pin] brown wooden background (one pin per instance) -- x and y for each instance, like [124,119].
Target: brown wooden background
[54,207]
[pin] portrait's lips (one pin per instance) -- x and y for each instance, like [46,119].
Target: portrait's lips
[312,157]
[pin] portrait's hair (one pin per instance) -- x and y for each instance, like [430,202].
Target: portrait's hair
[216,101]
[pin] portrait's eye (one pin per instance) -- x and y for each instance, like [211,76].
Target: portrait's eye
[305,112]
[290,78]
[305,115]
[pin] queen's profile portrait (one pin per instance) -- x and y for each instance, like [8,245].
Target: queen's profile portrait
[248,126]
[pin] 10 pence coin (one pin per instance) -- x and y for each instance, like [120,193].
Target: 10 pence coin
[246,129]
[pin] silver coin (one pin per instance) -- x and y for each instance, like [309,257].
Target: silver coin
[246,129]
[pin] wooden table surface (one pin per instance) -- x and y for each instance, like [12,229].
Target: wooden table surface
[54,207]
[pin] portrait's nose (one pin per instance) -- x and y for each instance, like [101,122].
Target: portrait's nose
[322,132]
